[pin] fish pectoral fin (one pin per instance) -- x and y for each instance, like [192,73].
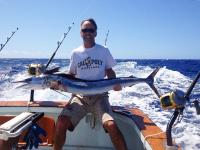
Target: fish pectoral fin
[54,84]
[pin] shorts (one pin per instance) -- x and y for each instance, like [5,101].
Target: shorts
[98,105]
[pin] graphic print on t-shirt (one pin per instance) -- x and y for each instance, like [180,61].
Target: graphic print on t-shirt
[89,63]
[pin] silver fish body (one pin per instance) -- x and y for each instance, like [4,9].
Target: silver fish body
[84,87]
[97,87]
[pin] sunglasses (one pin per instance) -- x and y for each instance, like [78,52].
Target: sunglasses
[88,30]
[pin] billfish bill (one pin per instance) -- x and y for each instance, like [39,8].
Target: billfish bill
[84,87]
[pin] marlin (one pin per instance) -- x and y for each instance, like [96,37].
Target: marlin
[85,87]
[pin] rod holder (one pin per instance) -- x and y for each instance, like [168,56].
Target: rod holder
[32,96]
[196,105]
[176,113]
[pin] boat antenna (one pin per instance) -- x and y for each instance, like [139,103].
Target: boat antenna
[106,37]
[58,45]
[8,38]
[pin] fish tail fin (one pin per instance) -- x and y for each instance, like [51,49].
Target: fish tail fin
[150,81]
[21,86]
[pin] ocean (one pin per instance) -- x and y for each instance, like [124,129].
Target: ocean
[173,74]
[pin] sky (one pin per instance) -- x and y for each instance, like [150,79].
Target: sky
[138,29]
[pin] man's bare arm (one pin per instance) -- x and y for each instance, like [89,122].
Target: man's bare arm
[110,73]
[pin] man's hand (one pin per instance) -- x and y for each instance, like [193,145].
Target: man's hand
[117,87]
[56,85]
[111,75]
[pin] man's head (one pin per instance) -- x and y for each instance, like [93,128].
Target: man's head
[88,32]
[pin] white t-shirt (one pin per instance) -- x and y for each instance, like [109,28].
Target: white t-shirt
[91,63]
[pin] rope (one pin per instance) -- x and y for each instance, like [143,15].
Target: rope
[152,135]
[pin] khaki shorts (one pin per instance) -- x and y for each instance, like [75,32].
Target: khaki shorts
[98,105]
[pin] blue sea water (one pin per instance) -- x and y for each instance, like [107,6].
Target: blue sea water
[173,74]
[187,67]
[9,68]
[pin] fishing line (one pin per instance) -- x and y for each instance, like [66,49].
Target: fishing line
[69,101]
[149,136]
[60,93]
[152,135]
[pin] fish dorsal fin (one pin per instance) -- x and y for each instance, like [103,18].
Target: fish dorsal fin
[51,71]
[68,76]
[71,77]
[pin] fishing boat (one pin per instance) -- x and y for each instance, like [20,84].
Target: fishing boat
[140,132]
[28,124]
[31,124]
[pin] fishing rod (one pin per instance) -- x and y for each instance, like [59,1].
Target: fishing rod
[177,100]
[106,37]
[187,94]
[8,38]
[36,69]
[58,45]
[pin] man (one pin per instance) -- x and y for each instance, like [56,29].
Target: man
[90,61]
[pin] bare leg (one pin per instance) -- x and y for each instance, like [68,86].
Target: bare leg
[115,135]
[63,123]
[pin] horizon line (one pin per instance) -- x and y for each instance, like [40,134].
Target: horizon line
[114,58]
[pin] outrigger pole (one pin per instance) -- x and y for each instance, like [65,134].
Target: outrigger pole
[106,37]
[59,43]
[8,38]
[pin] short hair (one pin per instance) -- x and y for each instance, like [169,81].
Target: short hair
[91,20]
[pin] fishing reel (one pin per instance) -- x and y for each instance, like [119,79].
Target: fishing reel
[36,69]
[172,100]
[177,99]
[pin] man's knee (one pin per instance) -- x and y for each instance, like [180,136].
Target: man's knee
[110,126]
[63,123]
